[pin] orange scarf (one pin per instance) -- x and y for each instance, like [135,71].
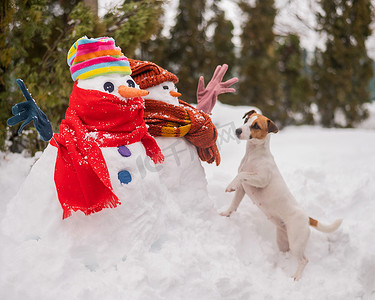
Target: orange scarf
[169,120]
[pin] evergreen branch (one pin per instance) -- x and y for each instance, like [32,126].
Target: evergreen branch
[49,52]
[125,18]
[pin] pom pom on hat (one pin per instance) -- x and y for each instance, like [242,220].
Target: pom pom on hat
[88,58]
[147,74]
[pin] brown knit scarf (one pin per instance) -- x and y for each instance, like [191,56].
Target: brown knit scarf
[169,120]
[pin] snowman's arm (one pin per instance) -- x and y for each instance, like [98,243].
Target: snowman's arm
[207,96]
[28,111]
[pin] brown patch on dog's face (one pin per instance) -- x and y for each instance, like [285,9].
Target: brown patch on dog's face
[247,115]
[256,126]
[259,128]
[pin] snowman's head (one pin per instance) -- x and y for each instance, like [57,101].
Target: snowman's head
[166,92]
[120,85]
[98,64]
[159,82]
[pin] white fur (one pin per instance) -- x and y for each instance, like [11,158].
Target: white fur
[259,177]
[245,130]
[329,228]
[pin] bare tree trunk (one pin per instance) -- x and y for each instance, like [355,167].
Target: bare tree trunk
[93,4]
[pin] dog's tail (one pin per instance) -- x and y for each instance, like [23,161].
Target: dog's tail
[325,228]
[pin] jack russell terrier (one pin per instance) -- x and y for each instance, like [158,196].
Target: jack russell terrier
[259,177]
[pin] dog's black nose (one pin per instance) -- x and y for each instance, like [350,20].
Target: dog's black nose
[238,131]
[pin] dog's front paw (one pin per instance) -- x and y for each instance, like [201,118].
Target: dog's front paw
[234,185]
[226,213]
[229,189]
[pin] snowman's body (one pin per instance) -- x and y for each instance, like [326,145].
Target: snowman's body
[127,165]
[181,165]
[182,169]
[137,219]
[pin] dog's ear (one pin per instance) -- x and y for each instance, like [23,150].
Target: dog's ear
[249,113]
[272,126]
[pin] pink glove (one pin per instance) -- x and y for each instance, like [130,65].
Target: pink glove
[206,97]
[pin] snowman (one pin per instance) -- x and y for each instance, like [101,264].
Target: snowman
[185,134]
[94,162]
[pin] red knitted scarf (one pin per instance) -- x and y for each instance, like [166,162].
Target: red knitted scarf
[95,119]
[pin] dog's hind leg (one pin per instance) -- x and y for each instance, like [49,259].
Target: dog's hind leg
[302,262]
[298,235]
[282,238]
[238,196]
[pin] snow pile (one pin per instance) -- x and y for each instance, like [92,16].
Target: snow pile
[179,247]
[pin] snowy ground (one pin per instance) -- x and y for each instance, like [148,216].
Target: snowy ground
[201,255]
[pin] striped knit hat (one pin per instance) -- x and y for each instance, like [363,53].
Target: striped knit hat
[147,74]
[88,58]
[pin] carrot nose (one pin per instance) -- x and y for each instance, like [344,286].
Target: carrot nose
[129,92]
[174,94]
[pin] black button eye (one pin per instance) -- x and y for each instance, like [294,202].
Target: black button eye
[109,87]
[165,87]
[130,83]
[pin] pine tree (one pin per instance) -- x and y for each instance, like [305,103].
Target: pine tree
[343,70]
[134,22]
[156,49]
[221,48]
[6,15]
[34,40]
[297,90]
[221,45]
[38,37]
[259,74]
[187,58]
[190,52]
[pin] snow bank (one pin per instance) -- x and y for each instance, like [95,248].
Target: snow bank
[13,170]
[184,249]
